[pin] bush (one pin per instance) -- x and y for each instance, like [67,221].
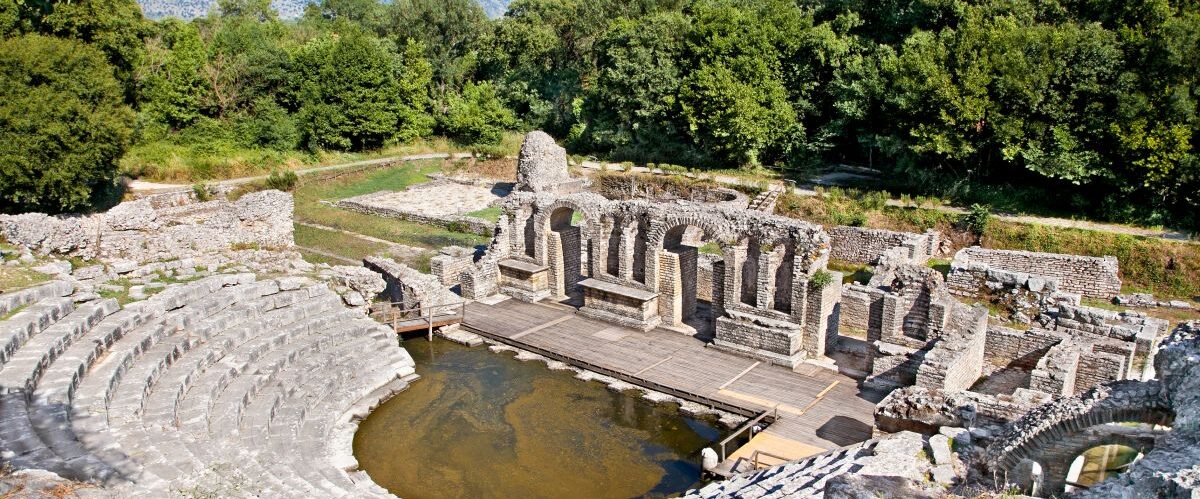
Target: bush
[477,117]
[202,192]
[976,219]
[820,279]
[64,123]
[284,181]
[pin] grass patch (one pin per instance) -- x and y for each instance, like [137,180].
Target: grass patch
[337,243]
[309,208]
[19,277]
[851,272]
[1172,315]
[939,264]
[492,214]
[711,248]
[176,161]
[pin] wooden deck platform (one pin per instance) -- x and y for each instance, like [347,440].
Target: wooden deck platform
[818,409]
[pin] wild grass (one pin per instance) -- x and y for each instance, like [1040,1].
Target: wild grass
[337,243]
[491,213]
[177,161]
[309,207]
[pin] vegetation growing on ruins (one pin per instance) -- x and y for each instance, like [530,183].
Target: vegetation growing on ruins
[1072,107]
[1165,268]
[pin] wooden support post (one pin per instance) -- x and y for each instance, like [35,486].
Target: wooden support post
[430,319]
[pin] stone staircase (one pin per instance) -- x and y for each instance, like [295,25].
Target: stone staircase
[223,386]
[798,479]
[765,200]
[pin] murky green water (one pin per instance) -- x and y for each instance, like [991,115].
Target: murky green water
[480,424]
[1103,462]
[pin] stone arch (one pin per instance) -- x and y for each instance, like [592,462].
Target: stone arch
[673,266]
[1050,431]
[562,246]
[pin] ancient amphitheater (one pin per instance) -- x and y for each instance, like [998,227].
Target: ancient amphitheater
[197,355]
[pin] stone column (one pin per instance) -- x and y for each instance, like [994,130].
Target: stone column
[670,289]
[765,289]
[820,325]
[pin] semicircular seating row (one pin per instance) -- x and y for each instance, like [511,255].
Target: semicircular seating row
[225,386]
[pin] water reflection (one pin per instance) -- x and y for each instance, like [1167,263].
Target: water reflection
[481,424]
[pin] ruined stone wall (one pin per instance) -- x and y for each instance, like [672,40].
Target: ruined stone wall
[460,223]
[861,245]
[857,303]
[956,359]
[1084,275]
[409,288]
[704,276]
[142,232]
[1011,347]
[450,262]
[925,410]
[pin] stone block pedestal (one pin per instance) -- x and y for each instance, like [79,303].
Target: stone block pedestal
[525,281]
[620,304]
[776,344]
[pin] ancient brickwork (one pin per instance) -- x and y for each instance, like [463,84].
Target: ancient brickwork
[408,288]
[1083,275]
[955,361]
[773,256]
[704,276]
[141,232]
[461,223]
[542,166]
[923,409]
[1021,349]
[450,262]
[861,245]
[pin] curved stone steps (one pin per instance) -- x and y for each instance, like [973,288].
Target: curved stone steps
[21,445]
[303,391]
[24,368]
[30,321]
[169,309]
[15,299]
[163,401]
[246,319]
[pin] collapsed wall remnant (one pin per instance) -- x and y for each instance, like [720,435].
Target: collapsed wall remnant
[542,166]
[146,231]
[862,245]
[636,264]
[1089,276]
[409,289]
[450,262]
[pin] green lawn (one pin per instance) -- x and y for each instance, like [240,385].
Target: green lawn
[309,208]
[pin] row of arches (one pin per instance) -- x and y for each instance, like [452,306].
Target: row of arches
[658,249]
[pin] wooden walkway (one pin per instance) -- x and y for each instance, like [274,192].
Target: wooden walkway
[818,409]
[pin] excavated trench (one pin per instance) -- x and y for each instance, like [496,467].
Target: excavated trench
[480,424]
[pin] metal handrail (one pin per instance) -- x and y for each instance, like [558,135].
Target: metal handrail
[748,426]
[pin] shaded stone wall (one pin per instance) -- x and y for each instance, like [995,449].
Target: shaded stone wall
[146,230]
[450,262]
[408,288]
[1023,349]
[1088,276]
[861,245]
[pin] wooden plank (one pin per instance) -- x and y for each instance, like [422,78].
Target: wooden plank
[739,376]
[541,327]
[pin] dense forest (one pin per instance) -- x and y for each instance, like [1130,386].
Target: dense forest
[1087,105]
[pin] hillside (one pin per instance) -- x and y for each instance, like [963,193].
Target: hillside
[288,9]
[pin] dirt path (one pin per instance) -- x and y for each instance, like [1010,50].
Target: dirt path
[144,186]
[1170,235]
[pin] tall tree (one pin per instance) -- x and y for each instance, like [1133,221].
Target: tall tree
[63,123]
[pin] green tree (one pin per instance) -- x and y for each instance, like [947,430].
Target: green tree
[355,92]
[174,89]
[63,123]
[116,27]
[477,116]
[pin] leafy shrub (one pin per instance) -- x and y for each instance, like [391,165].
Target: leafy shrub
[820,279]
[284,181]
[976,219]
[477,116]
[202,192]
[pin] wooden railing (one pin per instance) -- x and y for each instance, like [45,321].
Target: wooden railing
[757,465]
[748,427]
[422,317]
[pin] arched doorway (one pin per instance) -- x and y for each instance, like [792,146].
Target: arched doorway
[565,247]
[1100,463]
[686,279]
